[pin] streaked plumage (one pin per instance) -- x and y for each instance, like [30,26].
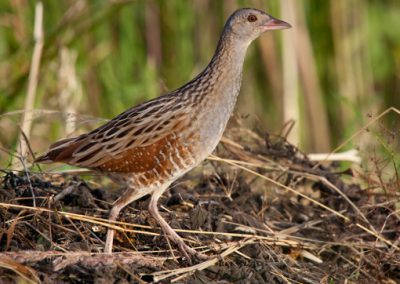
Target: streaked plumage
[151,145]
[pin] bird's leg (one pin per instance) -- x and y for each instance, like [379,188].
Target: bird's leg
[110,232]
[129,196]
[169,232]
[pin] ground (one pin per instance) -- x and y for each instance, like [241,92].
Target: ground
[265,212]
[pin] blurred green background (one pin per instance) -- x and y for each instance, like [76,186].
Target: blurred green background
[338,66]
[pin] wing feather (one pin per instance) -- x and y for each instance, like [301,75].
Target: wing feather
[138,127]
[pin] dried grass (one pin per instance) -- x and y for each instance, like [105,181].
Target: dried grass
[264,212]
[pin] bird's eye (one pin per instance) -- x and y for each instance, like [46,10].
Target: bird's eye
[252,18]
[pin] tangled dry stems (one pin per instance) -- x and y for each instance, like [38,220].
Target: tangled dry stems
[265,212]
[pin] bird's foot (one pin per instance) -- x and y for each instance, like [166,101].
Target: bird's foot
[190,252]
[170,233]
[186,250]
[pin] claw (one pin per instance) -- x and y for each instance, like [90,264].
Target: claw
[170,233]
[189,252]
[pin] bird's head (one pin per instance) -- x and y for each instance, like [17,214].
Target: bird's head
[248,24]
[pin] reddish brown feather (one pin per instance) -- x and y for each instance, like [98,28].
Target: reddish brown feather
[60,154]
[64,154]
[135,160]
[144,159]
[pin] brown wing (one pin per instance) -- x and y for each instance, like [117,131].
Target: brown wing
[138,131]
[143,159]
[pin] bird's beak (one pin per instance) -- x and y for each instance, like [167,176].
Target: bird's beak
[276,24]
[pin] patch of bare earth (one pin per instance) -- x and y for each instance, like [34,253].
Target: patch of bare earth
[265,212]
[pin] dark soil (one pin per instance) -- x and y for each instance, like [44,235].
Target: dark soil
[285,237]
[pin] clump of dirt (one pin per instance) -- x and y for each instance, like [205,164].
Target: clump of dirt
[266,212]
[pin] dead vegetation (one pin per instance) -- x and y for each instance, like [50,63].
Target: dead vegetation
[265,211]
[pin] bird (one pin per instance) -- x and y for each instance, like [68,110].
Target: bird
[151,145]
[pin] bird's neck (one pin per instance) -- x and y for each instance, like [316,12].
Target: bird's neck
[229,57]
[220,81]
[225,74]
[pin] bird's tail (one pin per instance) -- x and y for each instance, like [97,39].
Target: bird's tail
[60,151]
